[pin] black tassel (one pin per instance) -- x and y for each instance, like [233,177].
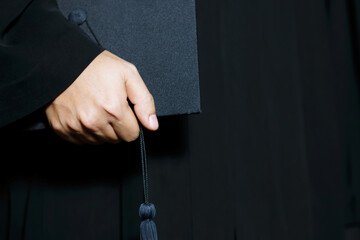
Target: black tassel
[147,210]
[147,227]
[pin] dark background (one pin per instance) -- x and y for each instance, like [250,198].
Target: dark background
[274,153]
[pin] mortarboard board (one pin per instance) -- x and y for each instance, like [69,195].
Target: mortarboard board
[157,36]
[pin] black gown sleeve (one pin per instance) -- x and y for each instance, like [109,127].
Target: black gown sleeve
[41,54]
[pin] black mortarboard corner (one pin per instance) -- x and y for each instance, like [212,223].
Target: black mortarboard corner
[147,210]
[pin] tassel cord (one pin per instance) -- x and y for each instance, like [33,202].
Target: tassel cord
[144,166]
[147,210]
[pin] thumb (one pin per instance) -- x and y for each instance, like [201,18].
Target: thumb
[143,101]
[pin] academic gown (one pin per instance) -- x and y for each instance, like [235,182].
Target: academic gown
[50,189]
[37,64]
[277,144]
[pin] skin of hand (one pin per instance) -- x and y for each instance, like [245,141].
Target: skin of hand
[94,109]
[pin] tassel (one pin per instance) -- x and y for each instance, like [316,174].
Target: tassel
[147,210]
[147,227]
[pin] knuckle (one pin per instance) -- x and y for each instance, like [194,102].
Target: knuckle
[91,121]
[132,68]
[147,98]
[73,125]
[133,135]
[130,138]
[113,108]
[150,98]
[57,126]
[112,139]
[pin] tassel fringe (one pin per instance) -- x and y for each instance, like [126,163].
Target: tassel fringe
[148,230]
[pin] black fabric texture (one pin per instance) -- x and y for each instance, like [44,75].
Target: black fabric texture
[75,195]
[41,54]
[277,143]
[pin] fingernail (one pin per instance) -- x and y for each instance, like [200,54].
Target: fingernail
[154,124]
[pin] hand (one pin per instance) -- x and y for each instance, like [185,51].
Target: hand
[95,108]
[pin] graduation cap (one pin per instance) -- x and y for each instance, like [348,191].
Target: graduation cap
[159,38]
